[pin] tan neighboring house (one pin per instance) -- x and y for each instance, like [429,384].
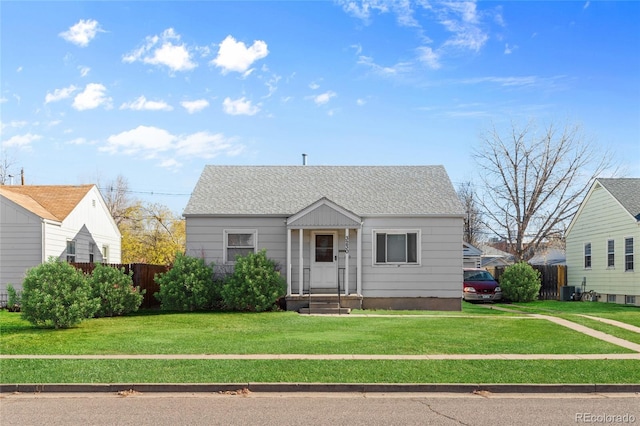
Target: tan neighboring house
[71,223]
[383,237]
[603,241]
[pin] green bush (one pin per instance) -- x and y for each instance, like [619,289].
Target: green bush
[114,290]
[13,299]
[188,285]
[55,294]
[255,284]
[520,283]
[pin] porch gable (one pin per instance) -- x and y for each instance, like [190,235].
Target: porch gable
[323,214]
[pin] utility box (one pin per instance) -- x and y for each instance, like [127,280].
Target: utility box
[566,292]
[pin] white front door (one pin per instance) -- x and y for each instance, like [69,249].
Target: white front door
[324,261]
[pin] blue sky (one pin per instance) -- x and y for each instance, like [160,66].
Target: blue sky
[155,90]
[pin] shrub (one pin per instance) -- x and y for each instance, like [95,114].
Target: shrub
[55,294]
[114,290]
[13,299]
[255,284]
[520,283]
[188,285]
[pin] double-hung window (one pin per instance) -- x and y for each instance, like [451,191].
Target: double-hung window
[92,251]
[396,247]
[71,251]
[587,255]
[239,243]
[628,254]
[611,254]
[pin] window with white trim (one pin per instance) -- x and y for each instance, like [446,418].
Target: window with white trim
[92,251]
[587,255]
[239,242]
[611,254]
[630,300]
[628,254]
[396,247]
[105,254]
[611,298]
[71,251]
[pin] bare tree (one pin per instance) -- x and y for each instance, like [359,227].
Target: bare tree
[534,182]
[6,164]
[473,215]
[116,195]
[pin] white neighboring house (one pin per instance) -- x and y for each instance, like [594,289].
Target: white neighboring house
[71,223]
[603,241]
[383,237]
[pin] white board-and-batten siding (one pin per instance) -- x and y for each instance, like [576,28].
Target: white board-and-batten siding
[602,218]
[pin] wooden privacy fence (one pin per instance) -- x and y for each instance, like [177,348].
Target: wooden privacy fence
[553,277]
[143,277]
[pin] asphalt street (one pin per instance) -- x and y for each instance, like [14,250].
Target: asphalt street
[246,408]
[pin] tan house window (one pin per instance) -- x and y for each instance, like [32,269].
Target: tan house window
[239,243]
[587,256]
[611,258]
[628,254]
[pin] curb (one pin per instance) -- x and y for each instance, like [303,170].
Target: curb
[316,387]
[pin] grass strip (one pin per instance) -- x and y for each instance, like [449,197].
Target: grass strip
[312,371]
[290,333]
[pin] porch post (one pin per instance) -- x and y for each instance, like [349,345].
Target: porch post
[288,261]
[346,262]
[300,261]
[359,262]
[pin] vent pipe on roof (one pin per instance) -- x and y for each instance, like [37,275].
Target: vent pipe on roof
[304,159]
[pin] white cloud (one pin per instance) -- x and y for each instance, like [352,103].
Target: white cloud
[195,106]
[142,104]
[78,141]
[205,145]
[323,98]
[3,100]
[398,68]
[163,50]
[235,56]
[360,102]
[146,140]
[19,69]
[21,141]
[314,86]
[82,33]
[239,107]
[509,49]
[429,57]
[84,71]
[13,124]
[92,97]
[155,143]
[60,94]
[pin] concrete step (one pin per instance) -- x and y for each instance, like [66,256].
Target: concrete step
[323,305]
[325,311]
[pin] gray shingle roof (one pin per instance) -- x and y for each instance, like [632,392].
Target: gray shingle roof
[626,191]
[285,190]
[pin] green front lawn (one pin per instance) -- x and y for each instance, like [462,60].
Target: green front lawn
[290,333]
[313,371]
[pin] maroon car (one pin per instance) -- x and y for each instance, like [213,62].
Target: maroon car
[479,286]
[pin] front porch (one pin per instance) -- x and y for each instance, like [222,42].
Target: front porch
[320,256]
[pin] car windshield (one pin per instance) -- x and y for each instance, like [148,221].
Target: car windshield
[477,276]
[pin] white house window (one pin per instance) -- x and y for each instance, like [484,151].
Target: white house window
[92,251]
[628,254]
[105,254]
[611,258]
[587,255]
[239,243]
[71,251]
[396,247]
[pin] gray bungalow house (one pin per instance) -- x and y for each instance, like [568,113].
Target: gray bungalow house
[382,237]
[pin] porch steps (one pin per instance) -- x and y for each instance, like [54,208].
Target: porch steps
[325,308]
